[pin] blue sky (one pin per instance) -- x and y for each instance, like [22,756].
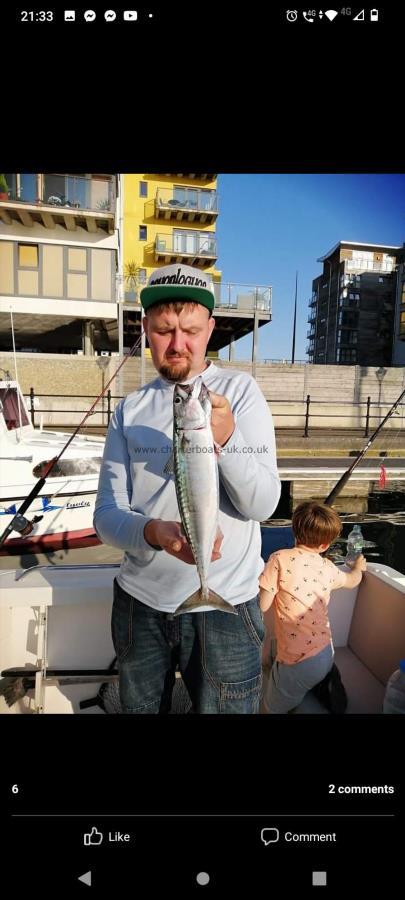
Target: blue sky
[269,226]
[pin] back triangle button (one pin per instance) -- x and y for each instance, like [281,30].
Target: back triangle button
[86,878]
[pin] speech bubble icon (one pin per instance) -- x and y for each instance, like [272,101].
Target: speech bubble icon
[269,836]
[89,15]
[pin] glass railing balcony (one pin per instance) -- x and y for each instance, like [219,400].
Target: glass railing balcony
[190,200]
[245,298]
[242,297]
[187,245]
[62,191]
[369,265]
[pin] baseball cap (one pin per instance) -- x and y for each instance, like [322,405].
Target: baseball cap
[178,282]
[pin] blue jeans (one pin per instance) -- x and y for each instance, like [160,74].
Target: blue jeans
[219,656]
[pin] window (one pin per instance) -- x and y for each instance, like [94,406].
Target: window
[77,259]
[28,256]
[143,233]
[381,281]
[143,189]
[198,242]
[12,409]
[347,355]
[77,273]
[28,188]
[142,276]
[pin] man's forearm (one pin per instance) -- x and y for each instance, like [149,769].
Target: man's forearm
[253,487]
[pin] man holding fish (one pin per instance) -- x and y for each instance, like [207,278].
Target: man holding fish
[189,472]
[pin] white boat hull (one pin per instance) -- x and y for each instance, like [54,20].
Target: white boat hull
[66,517]
[65,504]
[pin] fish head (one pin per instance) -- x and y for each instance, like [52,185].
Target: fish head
[191,405]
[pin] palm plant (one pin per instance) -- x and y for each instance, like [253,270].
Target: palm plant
[3,188]
[131,278]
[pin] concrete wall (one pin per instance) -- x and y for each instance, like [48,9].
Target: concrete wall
[284,386]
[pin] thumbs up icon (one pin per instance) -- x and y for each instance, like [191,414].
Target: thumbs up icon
[95,837]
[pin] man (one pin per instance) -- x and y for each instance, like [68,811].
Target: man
[218,654]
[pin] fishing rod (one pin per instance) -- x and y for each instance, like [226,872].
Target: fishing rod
[346,475]
[19,522]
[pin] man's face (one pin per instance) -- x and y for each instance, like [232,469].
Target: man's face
[178,341]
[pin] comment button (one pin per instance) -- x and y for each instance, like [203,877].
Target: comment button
[269,836]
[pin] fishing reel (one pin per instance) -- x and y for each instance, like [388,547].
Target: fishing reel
[24,526]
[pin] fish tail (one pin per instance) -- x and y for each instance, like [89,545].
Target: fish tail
[205,597]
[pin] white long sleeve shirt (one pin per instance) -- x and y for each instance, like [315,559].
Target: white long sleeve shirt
[133,489]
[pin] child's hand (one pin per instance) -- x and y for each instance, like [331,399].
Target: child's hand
[360,563]
[266,599]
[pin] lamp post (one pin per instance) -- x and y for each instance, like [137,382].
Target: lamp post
[380,375]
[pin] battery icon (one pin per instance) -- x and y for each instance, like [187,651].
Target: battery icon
[373,15]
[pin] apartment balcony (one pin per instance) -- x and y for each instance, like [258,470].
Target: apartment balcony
[313,301]
[186,204]
[186,175]
[188,248]
[238,309]
[230,298]
[369,265]
[311,318]
[67,200]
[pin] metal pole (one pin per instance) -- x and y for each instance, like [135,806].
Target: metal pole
[254,343]
[307,416]
[32,408]
[108,406]
[295,320]
[366,433]
[143,346]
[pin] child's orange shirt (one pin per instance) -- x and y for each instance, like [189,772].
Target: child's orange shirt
[301,582]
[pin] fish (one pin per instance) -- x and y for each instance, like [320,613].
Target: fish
[196,479]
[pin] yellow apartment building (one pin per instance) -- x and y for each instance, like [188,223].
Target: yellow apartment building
[167,219]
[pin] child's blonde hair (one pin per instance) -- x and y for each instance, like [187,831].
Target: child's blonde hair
[315,523]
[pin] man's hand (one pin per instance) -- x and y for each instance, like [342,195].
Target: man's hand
[222,420]
[169,536]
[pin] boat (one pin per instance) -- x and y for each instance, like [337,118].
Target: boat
[63,510]
[56,637]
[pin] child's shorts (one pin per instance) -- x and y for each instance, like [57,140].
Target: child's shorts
[288,685]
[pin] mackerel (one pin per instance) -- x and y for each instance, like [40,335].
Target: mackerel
[197,485]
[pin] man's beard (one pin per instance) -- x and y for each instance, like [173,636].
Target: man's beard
[176,370]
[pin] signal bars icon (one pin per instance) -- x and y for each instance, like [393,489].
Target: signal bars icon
[331,14]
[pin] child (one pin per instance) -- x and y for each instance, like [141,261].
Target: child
[299,581]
